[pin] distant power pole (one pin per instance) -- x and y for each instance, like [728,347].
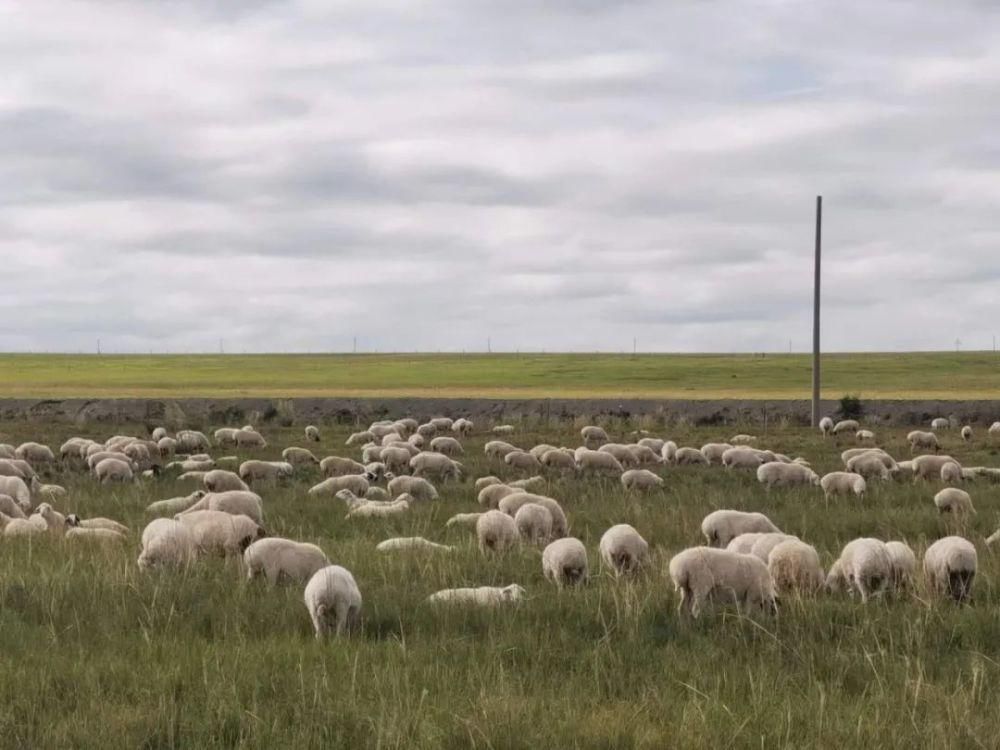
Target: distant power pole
[816,287]
[634,345]
[98,346]
[222,348]
[489,345]
[355,344]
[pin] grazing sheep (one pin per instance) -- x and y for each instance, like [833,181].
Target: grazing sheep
[11,467]
[950,567]
[560,460]
[621,452]
[940,423]
[9,507]
[498,449]
[741,458]
[644,456]
[669,452]
[46,491]
[96,534]
[534,523]
[923,441]
[396,458]
[278,559]
[967,433]
[952,473]
[411,542]
[954,500]
[843,483]
[743,439]
[74,520]
[870,466]
[419,487]
[513,502]
[763,544]
[786,475]
[335,466]
[463,519]
[597,462]
[496,531]
[360,438]
[372,509]
[865,436]
[864,566]
[34,453]
[462,427]
[166,542]
[623,549]
[167,446]
[484,482]
[795,568]
[564,562]
[220,480]
[265,471]
[503,429]
[593,436]
[436,465]
[641,480]
[491,496]
[929,467]
[845,425]
[744,542]
[312,433]
[529,484]
[218,533]
[191,441]
[449,446]
[826,426]
[994,429]
[522,461]
[333,601]
[721,526]
[299,456]
[225,436]
[175,504]
[704,574]
[713,452]
[489,596]
[904,564]
[113,470]
[18,489]
[356,483]
[234,502]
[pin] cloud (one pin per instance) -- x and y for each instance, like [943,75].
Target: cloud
[558,175]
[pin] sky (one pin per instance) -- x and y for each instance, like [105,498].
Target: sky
[532,174]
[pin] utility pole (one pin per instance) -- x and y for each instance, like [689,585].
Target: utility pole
[634,346]
[98,347]
[355,345]
[816,287]
[489,345]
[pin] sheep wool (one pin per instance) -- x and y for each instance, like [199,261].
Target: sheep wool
[333,601]
[564,562]
[280,559]
[623,549]
[950,567]
[703,575]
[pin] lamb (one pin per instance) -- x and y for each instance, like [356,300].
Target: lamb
[299,456]
[940,423]
[929,467]
[826,426]
[954,500]
[335,466]
[596,462]
[904,564]
[333,601]
[278,559]
[795,568]
[564,562]
[220,480]
[503,429]
[864,566]
[498,449]
[496,531]
[641,479]
[411,542]
[741,458]
[786,475]
[950,567]
[923,441]
[219,533]
[265,471]
[312,433]
[843,483]
[234,502]
[35,453]
[865,436]
[484,482]
[419,487]
[166,542]
[845,425]
[593,436]
[175,504]
[435,464]
[713,452]
[534,523]
[704,574]
[356,483]
[462,427]
[967,433]
[447,445]
[489,596]
[743,439]
[463,519]
[113,470]
[721,526]
[623,549]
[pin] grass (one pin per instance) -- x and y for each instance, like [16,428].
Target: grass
[96,654]
[902,375]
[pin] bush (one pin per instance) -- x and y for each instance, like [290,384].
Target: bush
[851,407]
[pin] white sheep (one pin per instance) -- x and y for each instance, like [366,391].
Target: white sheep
[113,470]
[534,523]
[419,487]
[462,427]
[744,543]
[967,433]
[436,465]
[952,473]
[463,519]
[312,433]
[713,452]
[564,562]
[865,436]
[669,451]
[503,429]
[489,596]
[559,459]
[265,471]
[704,574]
[333,601]
[843,483]
[904,564]
[86,533]
[826,426]
[510,504]
[219,533]
[496,531]
[299,456]
[954,500]
[741,457]
[484,482]
[596,462]
[35,453]
[621,452]
[498,449]
[522,461]
[845,425]
[18,489]
[191,441]
[950,567]
[447,445]
[929,467]
[360,438]
[278,559]
[940,423]
[777,474]
[98,522]
[864,566]
[721,526]
[411,542]
[396,458]
[869,466]
[763,544]
[373,509]
[623,549]
[922,440]
[175,504]
[234,502]
[795,568]
[743,439]
[593,436]
[9,507]
[336,466]
[166,542]
[220,480]
[641,479]
[357,484]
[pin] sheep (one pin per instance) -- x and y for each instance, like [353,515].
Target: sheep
[940,423]
[312,433]
[9,507]
[510,504]
[411,542]
[498,449]
[929,467]
[865,436]
[335,466]
[621,452]
[435,464]
[220,480]
[265,471]
[175,504]
[484,482]
[845,425]
[166,542]
[449,446]
[763,544]
[218,533]
[721,526]
[529,484]
[489,596]
[113,470]
[868,465]
[623,550]
[904,564]
[377,494]
[495,531]
[299,456]
[994,429]
[922,440]
[644,456]
[18,489]
[395,458]
[640,479]
[534,523]
[491,496]
[381,429]
[744,542]
[826,426]
[333,601]
[277,558]
[356,483]
[954,500]
[966,433]
[418,487]
[462,426]
[15,527]
[191,441]
[558,459]
[522,461]
[713,452]
[950,567]
[10,467]
[669,452]
[250,439]
[225,436]
[503,429]
[704,574]
[795,568]
[74,520]
[743,439]
[49,491]
[850,453]
[564,562]
[593,436]
[786,475]
[35,453]
[463,519]
[952,473]
[843,483]
[595,462]
[654,444]
[864,566]
[167,446]
[741,458]
[234,502]
[360,438]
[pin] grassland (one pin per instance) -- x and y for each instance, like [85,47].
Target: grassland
[972,375]
[96,654]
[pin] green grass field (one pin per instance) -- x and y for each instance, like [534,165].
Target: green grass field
[971,375]
[97,654]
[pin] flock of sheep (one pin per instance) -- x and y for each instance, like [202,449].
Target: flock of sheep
[748,560]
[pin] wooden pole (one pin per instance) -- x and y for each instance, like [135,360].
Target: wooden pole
[816,287]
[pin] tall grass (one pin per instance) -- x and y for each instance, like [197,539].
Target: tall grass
[96,654]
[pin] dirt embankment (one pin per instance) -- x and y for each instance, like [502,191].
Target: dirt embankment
[204,412]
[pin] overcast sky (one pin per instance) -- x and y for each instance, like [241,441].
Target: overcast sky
[285,176]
